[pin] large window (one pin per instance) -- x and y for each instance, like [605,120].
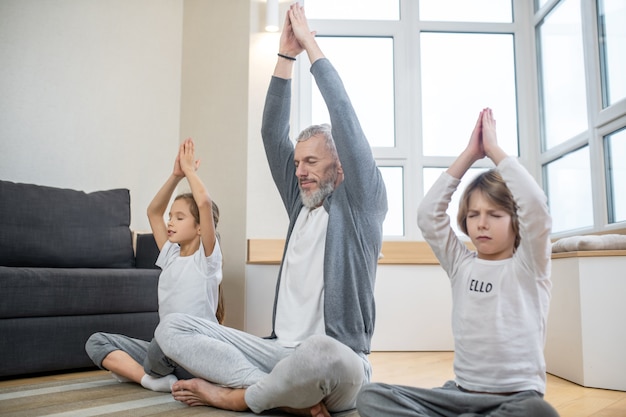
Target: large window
[612,40]
[458,79]
[569,190]
[460,11]
[582,89]
[374,104]
[419,71]
[353,9]
[562,74]
[615,155]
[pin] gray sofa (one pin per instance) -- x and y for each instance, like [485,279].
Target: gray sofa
[68,268]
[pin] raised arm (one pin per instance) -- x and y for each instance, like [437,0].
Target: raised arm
[535,222]
[362,177]
[276,113]
[158,205]
[189,166]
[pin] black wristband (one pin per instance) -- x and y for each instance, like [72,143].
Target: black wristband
[286,57]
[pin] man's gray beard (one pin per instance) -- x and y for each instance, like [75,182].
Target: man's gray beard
[316,198]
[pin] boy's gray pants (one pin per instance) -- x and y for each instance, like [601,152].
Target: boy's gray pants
[377,400]
[319,369]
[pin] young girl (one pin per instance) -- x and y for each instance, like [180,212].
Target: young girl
[191,263]
[500,292]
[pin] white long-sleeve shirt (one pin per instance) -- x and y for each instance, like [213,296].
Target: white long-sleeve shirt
[500,308]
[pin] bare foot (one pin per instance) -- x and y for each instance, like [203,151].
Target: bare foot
[195,392]
[318,410]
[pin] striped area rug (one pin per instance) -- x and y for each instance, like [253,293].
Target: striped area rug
[95,396]
[100,395]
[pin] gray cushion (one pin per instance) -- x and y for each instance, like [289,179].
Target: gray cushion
[147,251]
[39,292]
[54,227]
[589,242]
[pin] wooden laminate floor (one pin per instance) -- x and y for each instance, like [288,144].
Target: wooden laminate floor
[431,369]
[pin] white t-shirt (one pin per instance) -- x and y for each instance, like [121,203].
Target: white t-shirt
[189,284]
[300,307]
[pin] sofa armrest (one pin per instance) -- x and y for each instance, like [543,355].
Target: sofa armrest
[146,251]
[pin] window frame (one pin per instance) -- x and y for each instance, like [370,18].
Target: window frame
[602,121]
[407,153]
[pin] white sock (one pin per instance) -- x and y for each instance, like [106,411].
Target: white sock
[120,378]
[163,384]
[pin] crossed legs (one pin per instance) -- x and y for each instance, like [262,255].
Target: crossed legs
[240,371]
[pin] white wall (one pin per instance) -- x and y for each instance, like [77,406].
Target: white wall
[585,342]
[214,111]
[90,94]
[413,306]
[98,94]
[266,216]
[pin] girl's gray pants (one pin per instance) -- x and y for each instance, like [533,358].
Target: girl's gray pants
[148,354]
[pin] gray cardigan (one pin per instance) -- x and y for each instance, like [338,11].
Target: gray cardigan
[356,208]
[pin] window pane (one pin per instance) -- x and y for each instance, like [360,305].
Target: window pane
[562,74]
[466,11]
[456,86]
[612,27]
[569,191]
[353,9]
[616,175]
[431,175]
[369,84]
[394,222]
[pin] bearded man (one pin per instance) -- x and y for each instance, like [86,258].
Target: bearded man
[315,360]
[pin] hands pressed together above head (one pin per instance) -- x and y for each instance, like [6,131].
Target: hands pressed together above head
[185,159]
[295,38]
[483,142]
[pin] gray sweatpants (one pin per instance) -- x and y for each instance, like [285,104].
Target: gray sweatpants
[319,369]
[377,400]
[148,354]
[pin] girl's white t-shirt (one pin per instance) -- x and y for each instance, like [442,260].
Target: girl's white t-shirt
[189,284]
